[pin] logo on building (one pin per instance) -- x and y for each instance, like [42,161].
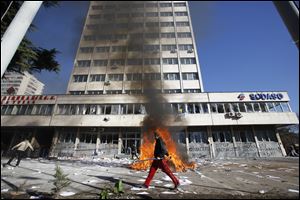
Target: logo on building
[266,96]
[241,97]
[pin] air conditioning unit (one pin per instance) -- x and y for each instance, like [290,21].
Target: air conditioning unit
[173,51]
[230,114]
[238,115]
[190,50]
[114,67]
[106,83]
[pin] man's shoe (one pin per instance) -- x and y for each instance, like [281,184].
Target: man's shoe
[176,186]
[144,186]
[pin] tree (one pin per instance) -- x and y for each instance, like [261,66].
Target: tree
[28,57]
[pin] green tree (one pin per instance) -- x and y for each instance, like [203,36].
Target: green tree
[28,57]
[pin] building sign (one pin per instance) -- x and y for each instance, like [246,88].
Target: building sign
[25,99]
[262,96]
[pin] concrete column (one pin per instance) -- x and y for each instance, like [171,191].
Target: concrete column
[280,144]
[120,142]
[211,143]
[234,142]
[34,143]
[98,142]
[256,141]
[76,141]
[54,142]
[187,141]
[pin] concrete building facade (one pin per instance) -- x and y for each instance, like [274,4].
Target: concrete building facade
[21,84]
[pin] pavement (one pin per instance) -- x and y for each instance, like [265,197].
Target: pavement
[266,178]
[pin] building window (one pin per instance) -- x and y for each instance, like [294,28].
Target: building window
[278,107]
[169,47]
[117,62]
[135,48]
[166,14]
[80,78]
[189,76]
[115,77]
[86,49]
[213,108]
[220,108]
[170,61]
[133,77]
[185,47]
[167,24]
[76,92]
[164,5]
[98,7]
[154,48]
[152,76]
[152,61]
[134,61]
[172,91]
[122,15]
[285,107]
[97,77]
[95,16]
[184,35]
[133,91]
[151,5]
[271,107]
[249,107]
[181,13]
[191,90]
[89,37]
[256,107]
[103,37]
[171,76]
[137,14]
[188,61]
[95,92]
[151,14]
[120,37]
[168,35]
[118,48]
[263,107]
[179,4]
[84,63]
[242,107]
[102,49]
[152,35]
[100,63]
[182,24]
[151,24]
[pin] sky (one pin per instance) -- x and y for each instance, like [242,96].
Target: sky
[242,46]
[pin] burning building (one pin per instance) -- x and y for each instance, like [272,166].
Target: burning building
[137,70]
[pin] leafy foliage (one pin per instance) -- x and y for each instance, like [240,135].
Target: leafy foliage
[60,180]
[28,57]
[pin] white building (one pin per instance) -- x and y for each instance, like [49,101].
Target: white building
[21,84]
[138,61]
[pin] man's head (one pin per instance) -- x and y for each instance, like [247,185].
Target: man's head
[156,135]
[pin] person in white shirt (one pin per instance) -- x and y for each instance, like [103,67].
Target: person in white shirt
[20,150]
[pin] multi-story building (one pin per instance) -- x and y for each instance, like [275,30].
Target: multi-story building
[21,84]
[136,69]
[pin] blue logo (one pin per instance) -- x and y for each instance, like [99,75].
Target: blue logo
[266,96]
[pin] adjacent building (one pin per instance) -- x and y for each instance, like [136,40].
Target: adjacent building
[14,83]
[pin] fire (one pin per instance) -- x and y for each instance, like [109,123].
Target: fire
[147,151]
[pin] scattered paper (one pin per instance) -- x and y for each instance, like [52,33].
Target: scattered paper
[66,194]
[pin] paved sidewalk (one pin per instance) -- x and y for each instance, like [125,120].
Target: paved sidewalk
[234,178]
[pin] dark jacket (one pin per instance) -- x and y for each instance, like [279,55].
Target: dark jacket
[160,148]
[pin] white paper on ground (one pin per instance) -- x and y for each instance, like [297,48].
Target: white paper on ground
[291,190]
[167,192]
[142,193]
[66,194]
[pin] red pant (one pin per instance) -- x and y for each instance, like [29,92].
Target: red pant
[162,164]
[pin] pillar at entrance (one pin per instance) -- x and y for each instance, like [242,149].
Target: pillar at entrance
[280,144]
[187,142]
[120,142]
[256,141]
[211,143]
[234,142]
[54,142]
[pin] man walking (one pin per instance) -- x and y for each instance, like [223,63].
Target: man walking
[160,152]
[19,153]
[134,152]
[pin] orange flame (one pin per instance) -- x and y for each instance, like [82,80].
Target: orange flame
[147,151]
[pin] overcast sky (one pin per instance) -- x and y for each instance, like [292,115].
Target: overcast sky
[242,46]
